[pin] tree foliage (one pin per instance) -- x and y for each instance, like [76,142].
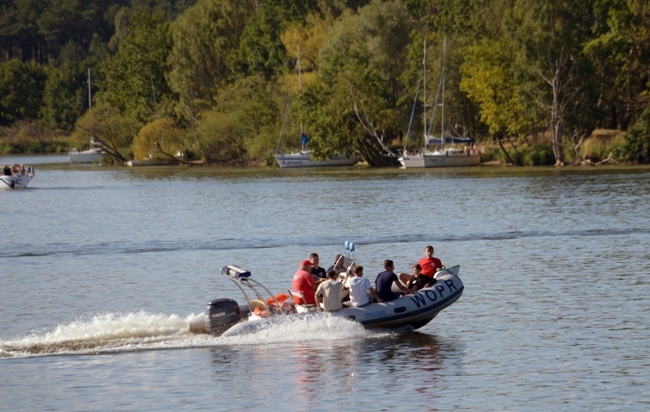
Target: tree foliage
[158,140]
[21,91]
[205,37]
[513,67]
[134,79]
[242,126]
[107,128]
[355,105]
[636,145]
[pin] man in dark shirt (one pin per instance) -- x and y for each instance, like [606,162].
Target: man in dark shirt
[317,271]
[384,283]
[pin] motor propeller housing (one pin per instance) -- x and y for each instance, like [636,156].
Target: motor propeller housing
[221,315]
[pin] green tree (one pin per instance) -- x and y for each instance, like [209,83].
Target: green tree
[620,50]
[19,32]
[242,126]
[21,91]
[158,140]
[205,38]
[108,129]
[636,143]
[64,97]
[551,35]
[261,50]
[355,104]
[134,78]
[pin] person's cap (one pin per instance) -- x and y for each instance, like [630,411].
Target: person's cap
[305,263]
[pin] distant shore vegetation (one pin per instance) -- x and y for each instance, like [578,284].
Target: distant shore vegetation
[214,81]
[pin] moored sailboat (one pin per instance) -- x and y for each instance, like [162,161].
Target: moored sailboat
[442,155]
[303,157]
[94,154]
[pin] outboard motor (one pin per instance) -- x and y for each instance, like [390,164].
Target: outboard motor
[220,315]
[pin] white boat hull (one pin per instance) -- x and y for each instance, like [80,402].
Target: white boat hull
[86,156]
[16,177]
[303,159]
[441,158]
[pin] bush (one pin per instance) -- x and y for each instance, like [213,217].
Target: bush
[32,137]
[540,154]
[491,153]
[635,147]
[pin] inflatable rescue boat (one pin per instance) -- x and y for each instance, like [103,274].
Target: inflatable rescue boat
[225,317]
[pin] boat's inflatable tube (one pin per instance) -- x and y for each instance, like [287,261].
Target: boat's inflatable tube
[415,309]
[243,328]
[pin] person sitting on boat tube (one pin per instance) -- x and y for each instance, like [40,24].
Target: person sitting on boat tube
[338,266]
[304,282]
[385,280]
[329,293]
[415,280]
[429,264]
[361,291]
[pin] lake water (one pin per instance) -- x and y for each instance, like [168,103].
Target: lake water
[101,268]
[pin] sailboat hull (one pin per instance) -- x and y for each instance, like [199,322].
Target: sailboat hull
[93,155]
[303,159]
[441,158]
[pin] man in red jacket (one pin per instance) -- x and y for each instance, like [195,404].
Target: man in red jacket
[304,282]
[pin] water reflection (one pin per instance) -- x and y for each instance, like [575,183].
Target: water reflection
[336,370]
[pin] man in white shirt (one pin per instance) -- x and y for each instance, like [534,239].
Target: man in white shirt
[361,291]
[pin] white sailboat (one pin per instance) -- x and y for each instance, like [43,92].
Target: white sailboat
[95,154]
[303,158]
[452,156]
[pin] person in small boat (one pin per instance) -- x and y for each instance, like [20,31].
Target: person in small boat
[304,282]
[317,271]
[328,294]
[385,280]
[429,264]
[338,266]
[416,280]
[361,291]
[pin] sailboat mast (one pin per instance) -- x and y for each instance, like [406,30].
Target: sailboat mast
[300,92]
[424,93]
[442,120]
[90,88]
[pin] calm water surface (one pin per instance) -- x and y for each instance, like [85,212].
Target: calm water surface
[102,267]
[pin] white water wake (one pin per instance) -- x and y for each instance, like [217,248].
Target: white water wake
[132,332]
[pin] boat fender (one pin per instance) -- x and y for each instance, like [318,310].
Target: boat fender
[220,315]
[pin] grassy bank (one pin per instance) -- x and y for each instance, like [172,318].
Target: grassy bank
[32,138]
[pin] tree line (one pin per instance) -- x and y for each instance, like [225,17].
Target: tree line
[211,80]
